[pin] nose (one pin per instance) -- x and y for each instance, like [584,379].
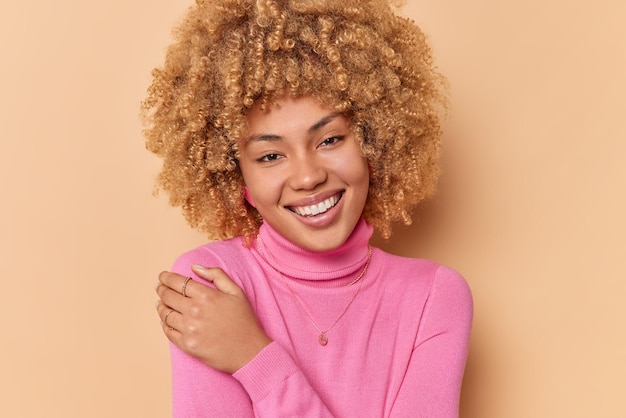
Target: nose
[307,173]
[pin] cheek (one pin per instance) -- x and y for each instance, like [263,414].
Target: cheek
[362,181]
[261,191]
[250,179]
[358,173]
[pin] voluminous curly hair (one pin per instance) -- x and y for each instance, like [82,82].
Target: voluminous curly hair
[355,56]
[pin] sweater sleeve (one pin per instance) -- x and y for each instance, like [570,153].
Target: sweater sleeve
[271,385]
[277,387]
[432,384]
[197,389]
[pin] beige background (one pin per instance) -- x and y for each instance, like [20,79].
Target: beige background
[531,208]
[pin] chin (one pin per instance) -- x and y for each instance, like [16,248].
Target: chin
[322,244]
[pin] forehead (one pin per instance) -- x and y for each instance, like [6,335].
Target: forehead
[289,114]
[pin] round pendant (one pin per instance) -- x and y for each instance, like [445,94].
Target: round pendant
[322,339]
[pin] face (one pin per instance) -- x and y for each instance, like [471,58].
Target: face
[304,172]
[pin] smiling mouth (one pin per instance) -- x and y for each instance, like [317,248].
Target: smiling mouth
[318,209]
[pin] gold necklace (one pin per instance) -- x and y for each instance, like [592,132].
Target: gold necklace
[322,339]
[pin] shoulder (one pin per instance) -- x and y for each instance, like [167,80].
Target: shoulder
[427,277]
[406,266]
[223,254]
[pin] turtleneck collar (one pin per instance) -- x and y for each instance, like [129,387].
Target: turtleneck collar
[300,264]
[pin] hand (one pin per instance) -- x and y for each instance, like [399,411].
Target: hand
[216,325]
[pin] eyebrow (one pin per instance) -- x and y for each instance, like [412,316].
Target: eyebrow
[323,122]
[315,127]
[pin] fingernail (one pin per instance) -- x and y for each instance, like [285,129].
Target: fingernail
[198,267]
[156,285]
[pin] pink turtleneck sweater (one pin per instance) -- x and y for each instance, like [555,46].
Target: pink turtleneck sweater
[399,350]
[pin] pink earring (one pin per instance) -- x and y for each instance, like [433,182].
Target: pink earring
[246,195]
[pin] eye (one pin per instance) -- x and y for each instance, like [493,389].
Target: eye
[267,158]
[332,141]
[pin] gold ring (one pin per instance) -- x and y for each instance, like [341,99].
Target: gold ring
[184,292]
[165,319]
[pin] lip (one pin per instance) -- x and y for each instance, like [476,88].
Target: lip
[319,220]
[315,199]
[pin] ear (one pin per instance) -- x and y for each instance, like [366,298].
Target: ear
[246,195]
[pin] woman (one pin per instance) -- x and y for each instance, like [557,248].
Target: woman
[289,130]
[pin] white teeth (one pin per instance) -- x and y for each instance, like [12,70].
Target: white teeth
[317,209]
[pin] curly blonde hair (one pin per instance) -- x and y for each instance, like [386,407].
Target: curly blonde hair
[355,56]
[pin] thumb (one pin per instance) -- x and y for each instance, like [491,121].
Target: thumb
[220,280]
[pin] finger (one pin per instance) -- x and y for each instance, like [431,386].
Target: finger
[172,333]
[174,281]
[171,299]
[184,292]
[221,280]
[169,322]
[165,313]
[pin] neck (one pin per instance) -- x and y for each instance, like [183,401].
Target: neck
[317,268]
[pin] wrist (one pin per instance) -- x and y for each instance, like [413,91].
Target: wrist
[250,350]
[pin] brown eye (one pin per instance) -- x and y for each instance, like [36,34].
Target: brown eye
[332,140]
[269,158]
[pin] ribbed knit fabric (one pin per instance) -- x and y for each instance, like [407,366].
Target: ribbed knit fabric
[399,350]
